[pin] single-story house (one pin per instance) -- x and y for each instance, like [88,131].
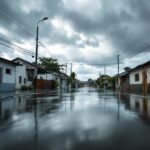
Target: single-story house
[45,79]
[140,79]
[136,80]
[124,84]
[25,73]
[7,75]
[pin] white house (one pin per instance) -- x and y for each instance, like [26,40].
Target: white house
[7,75]
[24,73]
[61,78]
[140,79]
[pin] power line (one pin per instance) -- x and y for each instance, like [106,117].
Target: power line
[138,52]
[11,21]
[15,49]
[16,46]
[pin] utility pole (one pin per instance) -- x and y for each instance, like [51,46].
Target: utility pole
[66,68]
[36,53]
[104,69]
[36,50]
[71,68]
[118,60]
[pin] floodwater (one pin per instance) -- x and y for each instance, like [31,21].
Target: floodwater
[82,119]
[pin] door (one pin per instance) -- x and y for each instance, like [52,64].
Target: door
[144,85]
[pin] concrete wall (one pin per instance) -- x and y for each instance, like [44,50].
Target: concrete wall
[47,76]
[8,80]
[21,71]
[132,77]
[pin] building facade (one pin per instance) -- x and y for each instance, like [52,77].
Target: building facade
[140,79]
[25,73]
[7,75]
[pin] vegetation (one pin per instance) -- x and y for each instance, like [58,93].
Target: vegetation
[50,64]
[55,84]
[106,81]
[72,79]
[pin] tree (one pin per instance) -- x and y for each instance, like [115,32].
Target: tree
[72,79]
[73,75]
[50,64]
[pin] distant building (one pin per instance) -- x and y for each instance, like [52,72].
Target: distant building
[7,75]
[46,79]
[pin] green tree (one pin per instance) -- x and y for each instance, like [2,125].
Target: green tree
[73,75]
[72,79]
[50,64]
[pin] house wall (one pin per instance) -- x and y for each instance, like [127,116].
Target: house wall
[132,77]
[8,80]
[124,84]
[45,76]
[22,71]
[137,86]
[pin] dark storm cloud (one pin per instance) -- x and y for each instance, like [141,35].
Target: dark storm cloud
[123,23]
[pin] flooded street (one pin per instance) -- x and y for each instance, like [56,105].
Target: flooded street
[80,119]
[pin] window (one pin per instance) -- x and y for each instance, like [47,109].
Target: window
[20,79]
[25,80]
[137,77]
[8,71]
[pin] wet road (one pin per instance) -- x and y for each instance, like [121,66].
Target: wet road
[77,120]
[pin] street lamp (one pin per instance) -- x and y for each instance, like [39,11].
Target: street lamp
[37,34]
[36,53]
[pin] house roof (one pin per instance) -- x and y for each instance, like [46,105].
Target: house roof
[140,66]
[8,61]
[134,69]
[18,58]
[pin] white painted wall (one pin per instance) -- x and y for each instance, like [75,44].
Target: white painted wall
[132,77]
[47,76]
[8,78]
[21,71]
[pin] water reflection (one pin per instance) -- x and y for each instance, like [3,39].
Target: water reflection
[72,120]
[138,104]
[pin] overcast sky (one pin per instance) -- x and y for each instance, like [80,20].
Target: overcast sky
[86,32]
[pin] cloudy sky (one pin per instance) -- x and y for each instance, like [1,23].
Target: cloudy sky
[87,33]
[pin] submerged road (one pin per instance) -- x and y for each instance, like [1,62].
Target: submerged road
[82,119]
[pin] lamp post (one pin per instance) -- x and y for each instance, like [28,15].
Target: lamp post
[37,35]
[36,52]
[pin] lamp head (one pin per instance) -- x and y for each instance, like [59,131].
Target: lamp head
[45,18]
